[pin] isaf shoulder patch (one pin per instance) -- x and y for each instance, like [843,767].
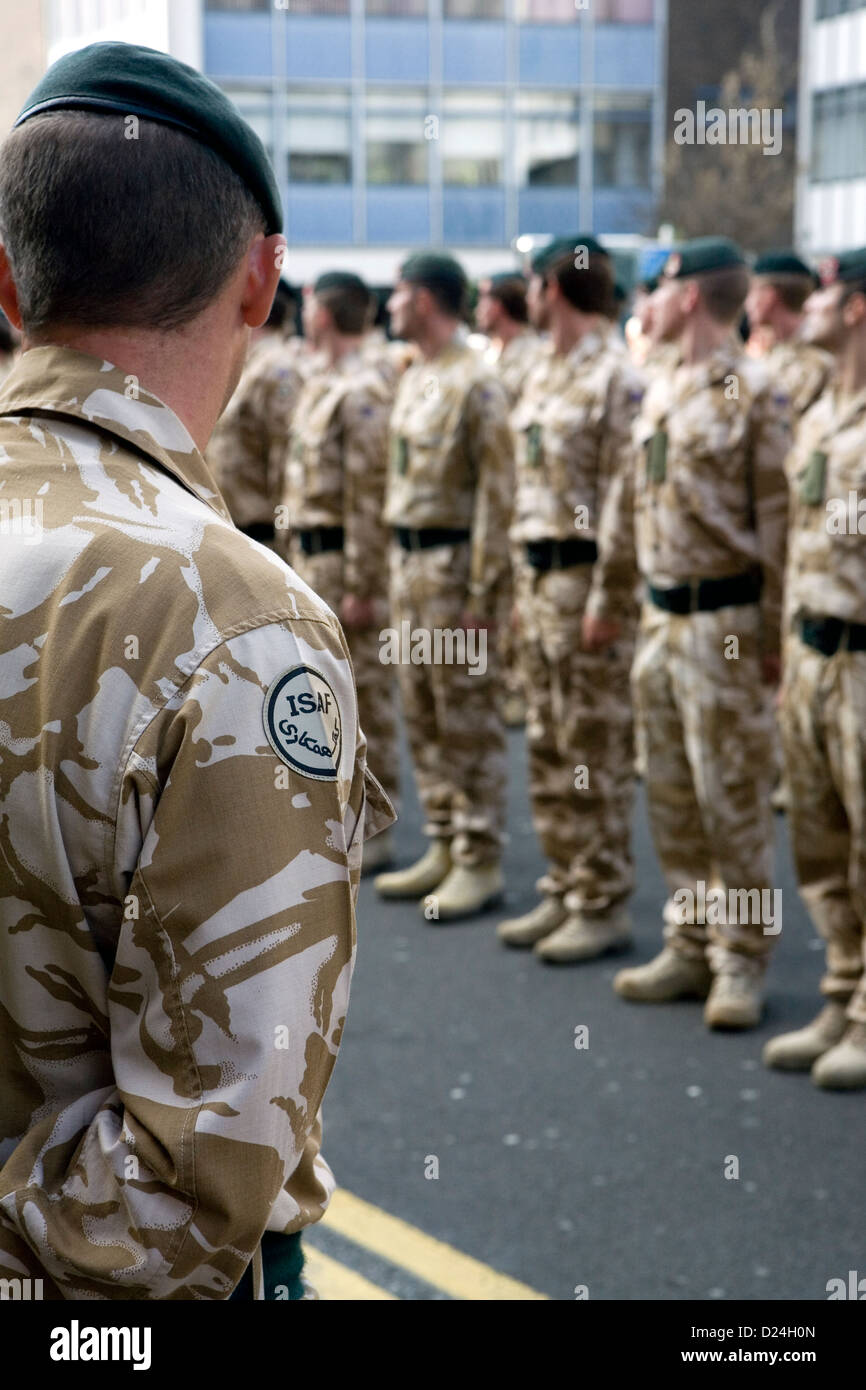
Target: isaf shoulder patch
[303,724]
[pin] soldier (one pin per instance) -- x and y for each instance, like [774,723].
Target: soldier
[572,427]
[333,498]
[781,284]
[184,784]
[449,500]
[248,447]
[823,712]
[710,501]
[501,313]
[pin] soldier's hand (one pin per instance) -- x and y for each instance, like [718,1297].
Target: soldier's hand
[598,633]
[771,668]
[356,612]
[471,622]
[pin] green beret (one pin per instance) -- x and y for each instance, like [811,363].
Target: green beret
[504,277]
[565,246]
[340,280]
[135,81]
[434,268]
[772,263]
[850,266]
[703,254]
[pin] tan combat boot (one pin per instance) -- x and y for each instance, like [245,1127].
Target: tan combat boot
[800,1050]
[736,1000]
[466,890]
[532,926]
[586,937]
[670,976]
[378,853]
[420,878]
[843,1068]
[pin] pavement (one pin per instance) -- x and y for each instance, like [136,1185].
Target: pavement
[483,1155]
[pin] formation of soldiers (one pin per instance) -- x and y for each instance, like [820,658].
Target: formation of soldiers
[654,545]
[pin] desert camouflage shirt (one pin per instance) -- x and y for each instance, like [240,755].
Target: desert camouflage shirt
[452,460]
[827,538]
[572,429]
[801,370]
[183,795]
[248,446]
[708,490]
[515,361]
[336,468]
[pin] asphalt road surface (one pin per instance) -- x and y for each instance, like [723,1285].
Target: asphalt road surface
[600,1170]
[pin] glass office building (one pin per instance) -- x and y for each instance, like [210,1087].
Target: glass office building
[400,123]
[831,193]
[465,123]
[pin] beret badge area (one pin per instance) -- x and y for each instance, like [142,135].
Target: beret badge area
[303,724]
[828,270]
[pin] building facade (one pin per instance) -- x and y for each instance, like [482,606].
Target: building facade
[401,123]
[831,192]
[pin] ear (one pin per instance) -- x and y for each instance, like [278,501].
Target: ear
[265,259]
[8,292]
[854,311]
[691,297]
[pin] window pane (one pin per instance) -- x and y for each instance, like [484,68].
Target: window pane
[255,107]
[547,11]
[473,9]
[602,11]
[839,133]
[547,138]
[395,120]
[237,5]
[621,141]
[319,135]
[397,7]
[473,137]
[623,11]
[394,161]
[320,168]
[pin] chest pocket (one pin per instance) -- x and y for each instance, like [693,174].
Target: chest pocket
[813,479]
[657,456]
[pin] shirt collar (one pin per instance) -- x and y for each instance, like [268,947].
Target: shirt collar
[63,381]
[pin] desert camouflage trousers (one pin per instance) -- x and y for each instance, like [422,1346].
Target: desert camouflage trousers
[580,743]
[824,731]
[377,694]
[451,707]
[708,730]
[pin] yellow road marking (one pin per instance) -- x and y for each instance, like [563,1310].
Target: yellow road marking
[427,1258]
[334,1282]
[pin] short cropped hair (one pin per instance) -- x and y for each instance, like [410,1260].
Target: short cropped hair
[793,290]
[101,230]
[511,294]
[724,291]
[351,307]
[589,288]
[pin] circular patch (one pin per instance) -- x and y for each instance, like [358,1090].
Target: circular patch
[302,721]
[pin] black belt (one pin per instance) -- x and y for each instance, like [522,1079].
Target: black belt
[321,538]
[259,530]
[704,595]
[828,635]
[560,555]
[431,535]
